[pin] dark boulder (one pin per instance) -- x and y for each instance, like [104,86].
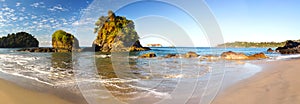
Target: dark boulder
[270,50]
[290,47]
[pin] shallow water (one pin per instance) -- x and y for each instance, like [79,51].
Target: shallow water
[123,77]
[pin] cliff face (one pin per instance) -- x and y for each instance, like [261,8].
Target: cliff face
[116,33]
[18,40]
[64,42]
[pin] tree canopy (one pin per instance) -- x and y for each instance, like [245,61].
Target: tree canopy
[115,31]
[64,40]
[18,40]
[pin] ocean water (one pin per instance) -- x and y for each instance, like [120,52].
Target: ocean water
[122,77]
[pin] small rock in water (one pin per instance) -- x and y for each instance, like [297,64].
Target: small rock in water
[70,72]
[258,56]
[148,55]
[191,55]
[241,56]
[172,56]
[209,58]
[233,56]
[270,50]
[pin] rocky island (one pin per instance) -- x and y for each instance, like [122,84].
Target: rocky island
[64,42]
[61,42]
[18,40]
[116,33]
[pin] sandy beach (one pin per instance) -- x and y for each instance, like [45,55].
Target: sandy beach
[278,83]
[13,94]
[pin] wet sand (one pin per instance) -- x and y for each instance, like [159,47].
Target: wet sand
[278,83]
[13,94]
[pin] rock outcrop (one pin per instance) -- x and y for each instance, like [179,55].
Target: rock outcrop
[116,33]
[191,55]
[209,58]
[270,50]
[241,56]
[18,40]
[38,50]
[148,55]
[186,55]
[172,56]
[257,56]
[64,42]
[233,56]
[290,47]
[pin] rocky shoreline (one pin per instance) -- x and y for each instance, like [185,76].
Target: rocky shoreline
[291,47]
[225,55]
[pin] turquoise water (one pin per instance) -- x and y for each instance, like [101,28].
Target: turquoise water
[123,77]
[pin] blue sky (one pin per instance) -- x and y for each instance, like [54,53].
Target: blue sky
[40,17]
[257,20]
[156,22]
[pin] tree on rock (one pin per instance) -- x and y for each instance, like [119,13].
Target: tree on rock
[64,42]
[116,33]
[18,40]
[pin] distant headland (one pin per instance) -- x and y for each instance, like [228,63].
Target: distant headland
[240,44]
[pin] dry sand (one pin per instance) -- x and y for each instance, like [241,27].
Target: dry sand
[278,83]
[13,94]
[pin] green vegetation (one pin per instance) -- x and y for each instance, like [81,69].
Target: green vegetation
[18,40]
[253,44]
[114,31]
[63,36]
[64,40]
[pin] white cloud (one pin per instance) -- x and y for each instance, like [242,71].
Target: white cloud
[33,17]
[23,9]
[52,20]
[2,20]
[8,9]
[26,24]
[7,15]
[18,4]
[35,22]
[76,23]
[38,4]
[83,22]
[2,0]
[21,18]
[14,18]
[57,8]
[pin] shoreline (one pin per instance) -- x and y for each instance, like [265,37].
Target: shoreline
[11,93]
[277,83]
[21,87]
